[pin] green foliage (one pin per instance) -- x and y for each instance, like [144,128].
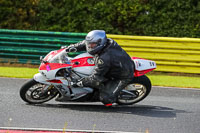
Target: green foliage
[177,18]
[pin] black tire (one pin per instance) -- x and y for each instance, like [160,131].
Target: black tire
[29,99]
[142,81]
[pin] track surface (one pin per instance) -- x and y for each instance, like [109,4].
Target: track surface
[166,110]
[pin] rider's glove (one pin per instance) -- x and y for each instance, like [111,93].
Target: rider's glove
[70,48]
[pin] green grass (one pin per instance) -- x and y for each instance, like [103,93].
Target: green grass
[175,81]
[18,72]
[157,80]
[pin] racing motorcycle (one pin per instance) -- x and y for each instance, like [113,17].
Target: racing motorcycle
[58,71]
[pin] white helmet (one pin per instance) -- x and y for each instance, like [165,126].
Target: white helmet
[95,41]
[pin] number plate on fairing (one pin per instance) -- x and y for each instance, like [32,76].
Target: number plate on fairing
[141,64]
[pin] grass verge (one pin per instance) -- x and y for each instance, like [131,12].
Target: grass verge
[157,80]
[175,81]
[18,72]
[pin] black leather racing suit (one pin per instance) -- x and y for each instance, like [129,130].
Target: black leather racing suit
[114,71]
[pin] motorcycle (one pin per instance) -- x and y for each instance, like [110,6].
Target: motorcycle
[58,71]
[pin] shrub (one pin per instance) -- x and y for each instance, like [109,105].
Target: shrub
[175,18]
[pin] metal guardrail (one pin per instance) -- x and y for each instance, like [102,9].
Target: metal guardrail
[23,46]
[170,54]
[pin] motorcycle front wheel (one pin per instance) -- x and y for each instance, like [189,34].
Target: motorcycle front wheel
[34,92]
[140,87]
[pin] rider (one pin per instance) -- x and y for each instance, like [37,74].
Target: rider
[114,67]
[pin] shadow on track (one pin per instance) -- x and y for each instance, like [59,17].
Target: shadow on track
[141,110]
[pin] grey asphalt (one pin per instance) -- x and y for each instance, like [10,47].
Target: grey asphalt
[165,110]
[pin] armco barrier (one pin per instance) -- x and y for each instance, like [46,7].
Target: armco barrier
[20,46]
[170,54]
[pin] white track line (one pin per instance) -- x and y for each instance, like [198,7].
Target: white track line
[61,130]
[176,88]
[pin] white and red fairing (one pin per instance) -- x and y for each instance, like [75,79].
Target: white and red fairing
[143,66]
[82,64]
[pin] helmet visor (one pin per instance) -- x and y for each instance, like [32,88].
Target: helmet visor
[91,45]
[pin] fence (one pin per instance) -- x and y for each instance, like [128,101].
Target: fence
[19,46]
[170,54]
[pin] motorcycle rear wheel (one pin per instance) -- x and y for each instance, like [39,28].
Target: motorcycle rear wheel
[141,86]
[34,92]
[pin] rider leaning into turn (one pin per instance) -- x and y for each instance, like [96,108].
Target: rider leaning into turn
[114,67]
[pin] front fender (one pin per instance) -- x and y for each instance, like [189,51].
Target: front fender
[40,78]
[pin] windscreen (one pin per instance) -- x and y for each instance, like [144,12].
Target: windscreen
[58,57]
